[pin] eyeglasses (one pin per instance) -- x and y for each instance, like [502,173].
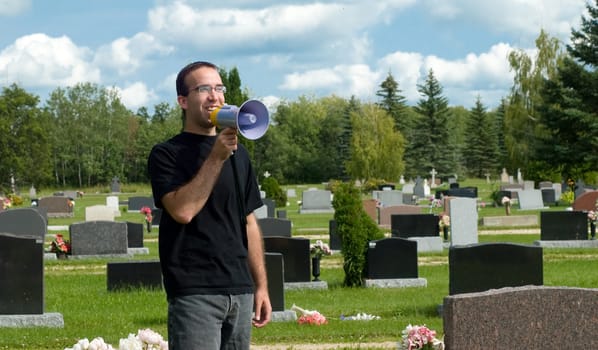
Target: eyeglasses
[206,89]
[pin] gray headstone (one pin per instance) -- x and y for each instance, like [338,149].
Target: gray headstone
[389,198]
[408,188]
[553,318]
[271,206]
[115,185]
[23,222]
[530,200]
[291,193]
[463,215]
[296,255]
[316,201]
[392,258]
[261,212]
[528,185]
[56,206]
[275,227]
[21,275]
[98,238]
[99,213]
[112,202]
[418,189]
[136,203]
[544,184]
[563,225]
[480,267]
[275,273]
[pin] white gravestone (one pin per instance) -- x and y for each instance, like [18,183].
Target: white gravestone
[464,221]
[112,202]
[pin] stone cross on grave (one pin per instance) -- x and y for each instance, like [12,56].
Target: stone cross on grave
[433,182]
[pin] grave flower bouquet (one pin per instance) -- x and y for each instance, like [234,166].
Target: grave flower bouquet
[309,316]
[445,221]
[5,202]
[147,212]
[59,245]
[319,248]
[146,339]
[420,337]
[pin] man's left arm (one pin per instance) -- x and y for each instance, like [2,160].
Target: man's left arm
[257,266]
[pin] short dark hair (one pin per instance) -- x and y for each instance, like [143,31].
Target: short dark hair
[181,88]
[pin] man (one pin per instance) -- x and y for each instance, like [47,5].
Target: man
[211,249]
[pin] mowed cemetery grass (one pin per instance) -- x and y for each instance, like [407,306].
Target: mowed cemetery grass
[78,288]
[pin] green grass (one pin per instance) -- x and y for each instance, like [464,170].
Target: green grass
[78,290]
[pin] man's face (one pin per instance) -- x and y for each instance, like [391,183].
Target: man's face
[205,95]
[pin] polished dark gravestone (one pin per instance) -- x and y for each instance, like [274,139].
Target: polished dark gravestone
[98,238]
[414,225]
[134,234]
[275,273]
[275,227]
[480,267]
[134,274]
[468,192]
[136,203]
[271,206]
[296,255]
[563,225]
[335,242]
[21,275]
[391,258]
[156,216]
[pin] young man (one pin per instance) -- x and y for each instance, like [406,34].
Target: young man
[211,252]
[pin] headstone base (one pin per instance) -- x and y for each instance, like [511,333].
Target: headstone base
[396,282]
[315,211]
[305,285]
[428,244]
[138,251]
[511,220]
[284,316]
[567,244]
[99,256]
[50,320]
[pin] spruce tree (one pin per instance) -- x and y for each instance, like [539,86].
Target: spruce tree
[393,103]
[481,154]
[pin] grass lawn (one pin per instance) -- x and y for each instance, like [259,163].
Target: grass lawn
[78,290]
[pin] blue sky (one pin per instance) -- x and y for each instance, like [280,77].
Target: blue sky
[282,49]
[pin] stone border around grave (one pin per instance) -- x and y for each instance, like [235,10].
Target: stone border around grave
[50,320]
[396,283]
[567,244]
[305,285]
[284,316]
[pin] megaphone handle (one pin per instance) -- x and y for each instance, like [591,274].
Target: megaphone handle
[240,197]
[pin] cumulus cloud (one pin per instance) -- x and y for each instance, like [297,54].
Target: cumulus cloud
[41,61]
[126,55]
[14,7]
[136,95]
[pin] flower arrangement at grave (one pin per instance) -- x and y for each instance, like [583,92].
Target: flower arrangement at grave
[420,337]
[145,339]
[60,246]
[148,217]
[318,249]
[434,203]
[310,317]
[360,317]
[5,202]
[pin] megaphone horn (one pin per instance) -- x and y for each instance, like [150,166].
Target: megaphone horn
[251,119]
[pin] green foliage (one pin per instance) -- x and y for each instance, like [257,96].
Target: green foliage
[355,229]
[274,191]
[482,152]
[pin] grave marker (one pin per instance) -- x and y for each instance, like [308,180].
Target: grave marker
[316,201]
[463,215]
[98,238]
[275,227]
[296,255]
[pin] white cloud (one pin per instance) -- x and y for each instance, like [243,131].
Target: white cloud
[136,95]
[127,55]
[14,7]
[41,61]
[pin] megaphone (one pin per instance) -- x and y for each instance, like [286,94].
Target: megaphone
[251,119]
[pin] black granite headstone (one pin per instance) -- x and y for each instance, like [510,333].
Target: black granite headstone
[468,192]
[275,227]
[296,255]
[156,216]
[548,195]
[392,258]
[281,214]
[563,225]
[480,267]
[335,241]
[414,225]
[134,274]
[275,273]
[21,275]
[98,237]
[136,203]
[134,235]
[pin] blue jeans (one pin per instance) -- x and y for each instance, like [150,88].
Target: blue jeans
[210,322]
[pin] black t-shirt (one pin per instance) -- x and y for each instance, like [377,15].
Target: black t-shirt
[209,254]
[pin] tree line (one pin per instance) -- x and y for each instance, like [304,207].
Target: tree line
[83,135]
